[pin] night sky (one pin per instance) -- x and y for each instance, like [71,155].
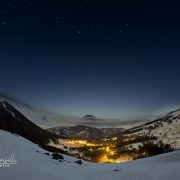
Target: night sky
[113,59]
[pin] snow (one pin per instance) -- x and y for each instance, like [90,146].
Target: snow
[33,165]
[168,133]
[134,145]
[4,105]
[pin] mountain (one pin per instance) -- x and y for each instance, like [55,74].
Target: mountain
[116,145]
[13,121]
[35,163]
[165,129]
[94,144]
[85,132]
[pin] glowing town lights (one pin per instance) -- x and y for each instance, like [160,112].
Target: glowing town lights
[105,159]
[114,138]
[81,143]
[107,153]
[129,139]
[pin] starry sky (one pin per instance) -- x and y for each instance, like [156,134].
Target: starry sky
[118,60]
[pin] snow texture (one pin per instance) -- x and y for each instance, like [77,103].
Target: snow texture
[33,164]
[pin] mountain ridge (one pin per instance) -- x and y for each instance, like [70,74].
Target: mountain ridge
[13,121]
[84,132]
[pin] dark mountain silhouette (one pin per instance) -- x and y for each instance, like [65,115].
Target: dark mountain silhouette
[13,121]
[85,132]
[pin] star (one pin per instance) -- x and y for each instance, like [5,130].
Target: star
[13,6]
[57,19]
[30,4]
[92,27]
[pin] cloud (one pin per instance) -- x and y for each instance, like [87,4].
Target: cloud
[44,117]
[100,124]
[90,117]
[132,122]
[53,119]
[12,99]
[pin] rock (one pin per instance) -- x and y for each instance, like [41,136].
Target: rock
[57,156]
[78,162]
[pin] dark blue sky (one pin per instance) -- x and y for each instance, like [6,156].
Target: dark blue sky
[113,59]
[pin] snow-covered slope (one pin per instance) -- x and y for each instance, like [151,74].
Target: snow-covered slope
[166,129]
[33,164]
[15,122]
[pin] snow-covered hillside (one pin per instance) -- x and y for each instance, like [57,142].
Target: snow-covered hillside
[33,164]
[166,129]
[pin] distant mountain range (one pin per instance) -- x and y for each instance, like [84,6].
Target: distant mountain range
[165,130]
[85,132]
